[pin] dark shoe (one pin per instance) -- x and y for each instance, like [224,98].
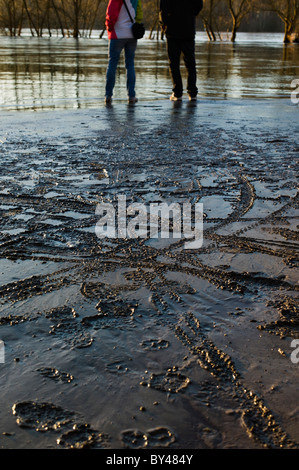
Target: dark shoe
[132,100]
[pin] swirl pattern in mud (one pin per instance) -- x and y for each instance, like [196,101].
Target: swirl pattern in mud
[120,313]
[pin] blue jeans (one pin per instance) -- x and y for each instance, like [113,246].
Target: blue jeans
[115,48]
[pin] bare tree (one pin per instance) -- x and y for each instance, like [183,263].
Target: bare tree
[238,10]
[57,14]
[37,12]
[90,14]
[288,12]
[215,17]
[79,16]
[12,15]
[207,16]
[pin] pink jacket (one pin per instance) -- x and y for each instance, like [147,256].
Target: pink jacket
[118,22]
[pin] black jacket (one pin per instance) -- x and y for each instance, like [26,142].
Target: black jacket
[178,17]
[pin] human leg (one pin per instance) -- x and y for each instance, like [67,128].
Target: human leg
[130,49]
[188,49]
[174,56]
[115,48]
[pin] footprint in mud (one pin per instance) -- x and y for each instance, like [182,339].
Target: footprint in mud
[56,375]
[172,381]
[117,367]
[111,312]
[160,437]
[211,438]
[46,417]
[152,438]
[66,326]
[116,307]
[42,416]
[153,344]
[288,323]
[82,436]
[133,439]
[15,320]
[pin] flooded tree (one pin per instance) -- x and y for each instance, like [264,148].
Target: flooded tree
[38,14]
[79,18]
[79,15]
[60,16]
[71,17]
[12,15]
[238,10]
[288,12]
[215,18]
[151,10]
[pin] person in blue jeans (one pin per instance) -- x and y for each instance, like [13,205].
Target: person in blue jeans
[120,35]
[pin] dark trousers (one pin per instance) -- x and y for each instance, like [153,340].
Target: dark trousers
[176,48]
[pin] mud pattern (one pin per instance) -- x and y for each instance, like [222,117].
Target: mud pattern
[256,417]
[36,285]
[46,417]
[82,436]
[66,327]
[210,358]
[288,324]
[42,416]
[155,344]
[172,381]
[15,319]
[110,309]
[117,367]
[152,439]
[56,375]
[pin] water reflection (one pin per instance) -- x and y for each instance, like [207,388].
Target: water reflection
[45,73]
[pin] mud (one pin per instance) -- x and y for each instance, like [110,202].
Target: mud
[149,344]
[288,323]
[152,438]
[46,417]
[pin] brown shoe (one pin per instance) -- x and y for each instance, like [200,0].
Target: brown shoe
[175,98]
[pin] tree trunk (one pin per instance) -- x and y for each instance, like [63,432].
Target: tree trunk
[76,31]
[58,18]
[94,18]
[234,31]
[152,29]
[31,24]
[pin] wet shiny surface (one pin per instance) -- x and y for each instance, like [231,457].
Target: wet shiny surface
[196,343]
[43,73]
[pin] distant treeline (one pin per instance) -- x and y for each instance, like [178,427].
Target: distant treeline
[79,18]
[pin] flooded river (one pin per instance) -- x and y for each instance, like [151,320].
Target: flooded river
[141,343]
[47,73]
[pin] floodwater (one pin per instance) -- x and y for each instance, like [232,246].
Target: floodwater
[45,73]
[141,343]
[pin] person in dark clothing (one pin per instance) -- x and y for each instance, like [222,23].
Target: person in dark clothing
[178,21]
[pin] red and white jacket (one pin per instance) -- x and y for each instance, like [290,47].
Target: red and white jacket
[118,22]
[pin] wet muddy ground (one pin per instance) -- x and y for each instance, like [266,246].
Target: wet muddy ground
[140,343]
